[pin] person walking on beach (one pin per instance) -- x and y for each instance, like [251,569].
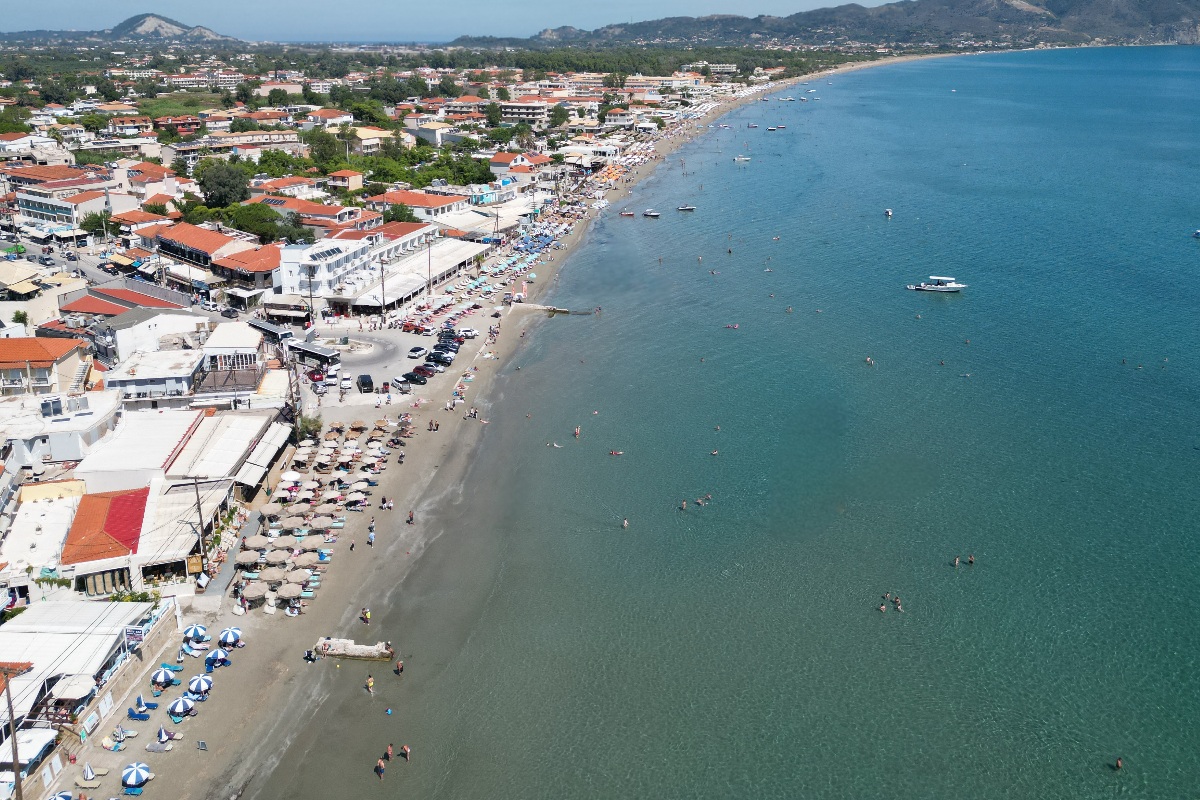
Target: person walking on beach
[371,539]
[406,751]
[410,517]
[351,545]
[379,768]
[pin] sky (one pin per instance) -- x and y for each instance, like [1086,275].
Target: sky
[380,20]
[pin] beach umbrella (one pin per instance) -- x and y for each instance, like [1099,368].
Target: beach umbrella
[271,509]
[323,459]
[306,560]
[230,636]
[136,774]
[64,795]
[331,444]
[359,486]
[345,459]
[332,494]
[290,591]
[310,485]
[181,706]
[358,424]
[255,590]
[321,523]
[257,542]
[331,436]
[299,576]
[162,677]
[325,508]
[382,423]
[292,522]
[285,541]
[278,557]
[300,508]
[356,497]
[247,557]
[307,443]
[272,574]
[220,654]
[308,545]
[291,476]
[195,632]
[305,495]
[163,736]
[89,774]
[200,684]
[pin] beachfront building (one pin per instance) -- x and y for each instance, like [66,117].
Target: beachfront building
[36,365]
[425,206]
[323,220]
[531,110]
[156,379]
[144,330]
[411,276]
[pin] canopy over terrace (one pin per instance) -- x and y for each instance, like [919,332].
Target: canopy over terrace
[409,276]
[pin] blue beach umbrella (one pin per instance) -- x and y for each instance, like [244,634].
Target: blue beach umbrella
[200,684]
[195,632]
[63,796]
[163,736]
[181,706]
[89,774]
[220,654]
[162,677]
[135,774]
[230,636]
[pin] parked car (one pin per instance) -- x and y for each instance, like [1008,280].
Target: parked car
[401,387]
[446,347]
[412,377]
[366,384]
[72,257]
[209,305]
[435,366]
[230,313]
[417,352]
[316,375]
[346,383]
[331,379]
[319,389]
[440,358]
[468,333]
[426,370]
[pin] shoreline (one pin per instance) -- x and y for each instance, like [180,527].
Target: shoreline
[268,689]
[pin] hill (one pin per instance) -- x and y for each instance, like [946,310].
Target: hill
[142,28]
[906,23]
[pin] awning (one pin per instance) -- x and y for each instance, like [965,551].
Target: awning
[74,687]
[23,287]
[252,471]
[124,261]
[285,312]
[250,474]
[74,233]
[245,293]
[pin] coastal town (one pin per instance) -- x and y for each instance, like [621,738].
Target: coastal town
[231,338]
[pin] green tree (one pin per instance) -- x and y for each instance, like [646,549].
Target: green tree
[323,147]
[448,88]
[243,124]
[310,96]
[659,121]
[223,184]
[559,116]
[256,218]
[277,97]
[179,166]
[502,94]
[370,112]
[483,93]
[399,213]
[156,208]
[95,222]
[244,93]
[227,100]
[20,318]
[94,122]
[492,112]
[308,427]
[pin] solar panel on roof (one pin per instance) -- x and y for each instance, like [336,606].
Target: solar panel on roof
[274,201]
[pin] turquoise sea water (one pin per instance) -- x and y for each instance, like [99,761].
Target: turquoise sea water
[736,650]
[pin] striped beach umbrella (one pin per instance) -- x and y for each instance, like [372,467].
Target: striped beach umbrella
[195,632]
[230,636]
[135,774]
[220,654]
[89,774]
[162,677]
[200,684]
[62,796]
[181,706]
[163,736]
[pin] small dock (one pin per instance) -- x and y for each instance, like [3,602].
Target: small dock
[348,648]
[552,311]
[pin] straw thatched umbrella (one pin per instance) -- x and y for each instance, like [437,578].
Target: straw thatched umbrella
[321,523]
[292,522]
[307,559]
[271,509]
[247,557]
[289,591]
[310,544]
[300,508]
[257,542]
[326,508]
[299,576]
[382,423]
[255,591]
[284,542]
[272,574]
[278,557]
[331,436]
[358,425]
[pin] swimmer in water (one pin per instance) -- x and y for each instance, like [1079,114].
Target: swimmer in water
[683,506]
[625,522]
[714,452]
[576,431]
[616,452]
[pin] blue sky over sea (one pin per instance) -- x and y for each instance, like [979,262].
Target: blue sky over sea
[375,20]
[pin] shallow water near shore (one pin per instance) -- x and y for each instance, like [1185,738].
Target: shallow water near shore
[737,649]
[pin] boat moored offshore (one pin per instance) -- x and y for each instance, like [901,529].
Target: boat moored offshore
[938,283]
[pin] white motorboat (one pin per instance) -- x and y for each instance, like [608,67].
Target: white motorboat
[650,212]
[686,208]
[938,283]
[741,159]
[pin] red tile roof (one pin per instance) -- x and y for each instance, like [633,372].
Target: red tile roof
[505,158]
[136,298]
[196,238]
[417,199]
[398,230]
[260,259]
[89,304]
[82,197]
[106,525]
[18,351]
[345,173]
[137,217]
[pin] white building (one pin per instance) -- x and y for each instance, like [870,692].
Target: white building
[317,270]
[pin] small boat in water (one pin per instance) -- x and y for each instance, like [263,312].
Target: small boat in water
[781,127]
[626,213]
[752,125]
[771,129]
[938,283]
[686,208]
[650,212]
[741,159]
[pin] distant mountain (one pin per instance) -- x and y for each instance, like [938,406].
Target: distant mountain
[143,28]
[910,22]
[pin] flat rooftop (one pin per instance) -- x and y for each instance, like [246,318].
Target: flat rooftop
[158,365]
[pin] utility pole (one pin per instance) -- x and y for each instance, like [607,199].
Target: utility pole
[382,291]
[10,670]
[429,270]
[200,530]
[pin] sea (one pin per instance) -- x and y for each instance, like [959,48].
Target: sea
[1044,421]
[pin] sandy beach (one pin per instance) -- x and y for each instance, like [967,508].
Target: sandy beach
[271,695]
